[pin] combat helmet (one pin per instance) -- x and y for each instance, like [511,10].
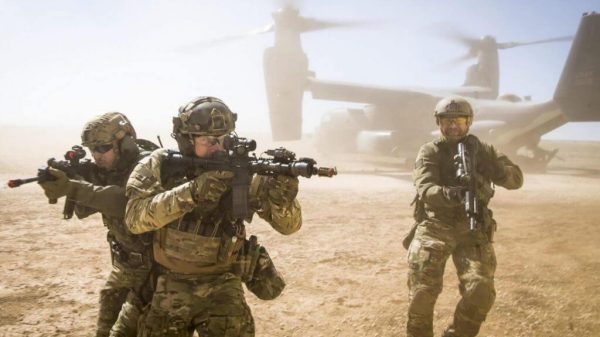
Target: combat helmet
[203,116]
[453,106]
[108,128]
[114,129]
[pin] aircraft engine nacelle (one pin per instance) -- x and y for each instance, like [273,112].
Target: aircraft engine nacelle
[339,129]
[376,141]
[510,98]
[286,73]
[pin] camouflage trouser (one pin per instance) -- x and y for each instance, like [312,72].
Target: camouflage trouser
[475,263]
[127,322]
[213,306]
[267,284]
[113,294]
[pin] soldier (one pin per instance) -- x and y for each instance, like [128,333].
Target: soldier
[196,239]
[443,227]
[112,143]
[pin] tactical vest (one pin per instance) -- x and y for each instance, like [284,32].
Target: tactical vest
[132,250]
[447,171]
[200,243]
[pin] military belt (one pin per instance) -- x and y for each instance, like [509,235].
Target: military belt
[195,277]
[131,258]
[453,216]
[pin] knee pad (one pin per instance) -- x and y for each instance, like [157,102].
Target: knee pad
[479,300]
[422,301]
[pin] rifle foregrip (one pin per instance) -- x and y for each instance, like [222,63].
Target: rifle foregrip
[240,201]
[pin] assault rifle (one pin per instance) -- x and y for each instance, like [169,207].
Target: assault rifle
[73,166]
[237,158]
[466,164]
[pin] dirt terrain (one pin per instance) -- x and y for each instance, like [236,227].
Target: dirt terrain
[345,269]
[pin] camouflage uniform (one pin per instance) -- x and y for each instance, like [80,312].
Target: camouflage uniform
[101,190]
[197,247]
[104,192]
[443,231]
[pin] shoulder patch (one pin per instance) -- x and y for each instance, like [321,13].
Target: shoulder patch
[145,176]
[424,151]
[419,163]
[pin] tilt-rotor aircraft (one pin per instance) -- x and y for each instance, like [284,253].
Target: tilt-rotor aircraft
[396,121]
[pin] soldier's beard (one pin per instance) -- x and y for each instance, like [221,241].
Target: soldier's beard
[454,134]
[103,164]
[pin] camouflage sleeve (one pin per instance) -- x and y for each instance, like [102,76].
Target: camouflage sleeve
[286,219]
[150,206]
[109,200]
[426,177]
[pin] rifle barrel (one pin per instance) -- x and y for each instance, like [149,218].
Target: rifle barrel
[18,182]
[326,171]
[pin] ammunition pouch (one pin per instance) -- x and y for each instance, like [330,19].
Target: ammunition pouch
[233,240]
[184,249]
[247,258]
[419,214]
[120,256]
[489,224]
[256,269]
[408,237]
[190,247]
[485,191]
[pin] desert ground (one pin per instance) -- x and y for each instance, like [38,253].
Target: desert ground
[345,269]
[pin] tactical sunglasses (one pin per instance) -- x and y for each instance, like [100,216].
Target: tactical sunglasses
[102,148]
[210,140]
[459,120]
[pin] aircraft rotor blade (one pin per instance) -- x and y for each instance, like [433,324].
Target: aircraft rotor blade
[452,33]
[202,45]
[455,61]
[310,24]
[506,45]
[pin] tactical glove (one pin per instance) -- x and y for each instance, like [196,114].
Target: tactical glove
[282,190]
[454,193]
[58,187]
[208,188]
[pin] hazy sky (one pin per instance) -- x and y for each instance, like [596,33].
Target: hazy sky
[64,61]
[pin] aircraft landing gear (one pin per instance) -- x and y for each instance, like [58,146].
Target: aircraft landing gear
[535,158]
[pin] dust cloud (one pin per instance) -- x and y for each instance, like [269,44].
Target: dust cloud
[345,269]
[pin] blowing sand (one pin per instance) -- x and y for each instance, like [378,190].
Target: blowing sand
[345,269]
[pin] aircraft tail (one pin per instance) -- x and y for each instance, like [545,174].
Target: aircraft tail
[578,90]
